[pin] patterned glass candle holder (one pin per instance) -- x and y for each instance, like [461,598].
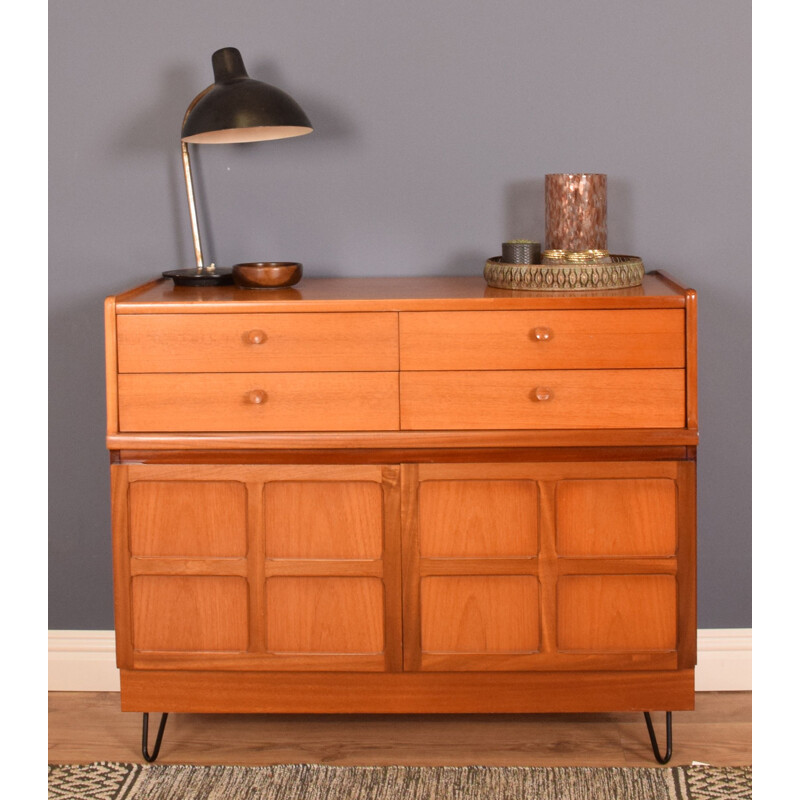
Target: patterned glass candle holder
[575,211]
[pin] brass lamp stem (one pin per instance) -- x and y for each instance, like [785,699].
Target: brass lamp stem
[187,175]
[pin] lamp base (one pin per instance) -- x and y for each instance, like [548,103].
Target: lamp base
[191,277]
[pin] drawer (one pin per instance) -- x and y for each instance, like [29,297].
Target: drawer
[503,400]
[604,339]
[336,342]
[281,401]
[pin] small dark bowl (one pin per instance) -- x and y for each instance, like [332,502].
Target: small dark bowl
[267,274]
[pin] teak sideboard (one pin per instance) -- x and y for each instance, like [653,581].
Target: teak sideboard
[403,495]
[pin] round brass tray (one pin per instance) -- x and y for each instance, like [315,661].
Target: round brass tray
[621,272]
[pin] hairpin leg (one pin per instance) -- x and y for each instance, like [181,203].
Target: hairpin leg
[656,752]
[159,736]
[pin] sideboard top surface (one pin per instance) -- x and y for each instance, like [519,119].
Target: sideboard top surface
[428,293]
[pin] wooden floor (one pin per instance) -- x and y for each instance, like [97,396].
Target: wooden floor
[88,726]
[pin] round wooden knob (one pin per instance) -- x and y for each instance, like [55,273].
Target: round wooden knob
[256,336]
[257,396]
[541,393]
[541,334]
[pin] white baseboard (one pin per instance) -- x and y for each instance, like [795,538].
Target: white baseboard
[724,660]
[85,661]
[82,661]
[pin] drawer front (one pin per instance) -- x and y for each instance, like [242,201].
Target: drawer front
[603,339]
[336,342]
[550,399]
[323,401]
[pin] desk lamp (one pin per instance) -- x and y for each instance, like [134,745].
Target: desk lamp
[235,108]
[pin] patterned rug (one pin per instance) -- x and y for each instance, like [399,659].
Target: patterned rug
[115,781]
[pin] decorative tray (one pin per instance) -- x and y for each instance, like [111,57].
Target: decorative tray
[618,272]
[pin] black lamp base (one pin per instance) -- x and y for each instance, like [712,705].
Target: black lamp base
[191,277]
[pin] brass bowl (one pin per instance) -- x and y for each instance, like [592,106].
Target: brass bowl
[267,274]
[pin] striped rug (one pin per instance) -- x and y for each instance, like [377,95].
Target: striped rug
[117,781]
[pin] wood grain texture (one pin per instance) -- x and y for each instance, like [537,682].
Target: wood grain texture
[391,486]
[171,565]
[263,570]
[410,548]
[577,399]
[261,473]
[402,455]
[182,614]
[687,564]
[548,470]
[256,573]
[419,293]
[247,692]
[293,401]
[485,440]
[85,727]
[325,615]
[474,340]
[594,590]
[110,322]
[617,612]
[477,519]
[616,517]
[575,661]
[480,614]
[330,567]
[188,518]
[468,549]
[323,519]
[548,562]
[258,342]
[690,304]
[121,563]
[691,359]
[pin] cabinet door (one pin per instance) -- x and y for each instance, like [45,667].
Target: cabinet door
[548,566]
[257,567]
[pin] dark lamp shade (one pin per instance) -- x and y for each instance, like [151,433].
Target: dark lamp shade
[237,108]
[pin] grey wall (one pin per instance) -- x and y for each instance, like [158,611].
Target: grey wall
[435,122]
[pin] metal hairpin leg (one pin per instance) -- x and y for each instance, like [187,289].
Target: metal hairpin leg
[656,752]
[159,736]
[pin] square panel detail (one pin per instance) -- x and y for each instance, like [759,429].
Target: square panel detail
[323,519]
[189,613]
[616,517]
[478,519]
[321,615]
[194,519]
[480,614]
[613,613]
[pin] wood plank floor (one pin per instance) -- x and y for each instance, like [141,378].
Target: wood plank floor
[88,726]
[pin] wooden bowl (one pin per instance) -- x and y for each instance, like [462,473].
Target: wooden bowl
[267,274]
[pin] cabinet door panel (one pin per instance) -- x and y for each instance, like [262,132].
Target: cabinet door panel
[616,517]
[174,613]
[480,614]
[257,567]
[548,566]
[188,518]
[325,615]
[617,612]
[477,519]
[323,519]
